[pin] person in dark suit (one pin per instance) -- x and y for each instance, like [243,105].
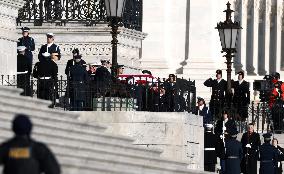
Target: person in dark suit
[241,97]
[46,72]
[23,155]
[217,100]
[29,43]
[280,150]
[71,62]
[210,142]
[170,88]
[202,110]
[79,80]
[233,153]
[103,78]
[250,144]
[268,156]
[223,126]
[23,71]
[50,47]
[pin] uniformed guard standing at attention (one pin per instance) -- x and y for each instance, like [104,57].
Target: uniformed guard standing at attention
[233,153]
[50,47]
[241,98]
[250,144]
[23,71]
[23,155]
[210,142]
[46,72]
[217,100]
[28,42]
[280,150]
[71,62]
[268,156]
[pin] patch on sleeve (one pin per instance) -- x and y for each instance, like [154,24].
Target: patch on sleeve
[19,153]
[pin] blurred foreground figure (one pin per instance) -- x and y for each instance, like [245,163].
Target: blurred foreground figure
[23,155]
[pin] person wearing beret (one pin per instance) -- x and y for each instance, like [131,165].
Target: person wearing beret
[23,155]
[217,100]
[28,42]
[241,97]
[268,156]
[50,47]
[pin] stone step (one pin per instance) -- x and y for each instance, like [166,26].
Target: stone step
[75,142]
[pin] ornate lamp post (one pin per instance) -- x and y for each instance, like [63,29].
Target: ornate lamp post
[114,9]
[228,32]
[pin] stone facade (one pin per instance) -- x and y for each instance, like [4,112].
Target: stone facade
[178,135]
[8,36]
[94,43]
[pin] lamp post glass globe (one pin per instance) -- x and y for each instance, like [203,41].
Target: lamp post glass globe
[115,8]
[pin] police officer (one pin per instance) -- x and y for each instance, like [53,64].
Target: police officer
[202,110]
[29,43]
[23,155]
[233,153]
[79,80]
[50,47]
[46,72]
[218,86]
[268,156]
[23,71]
[210,142]
[71,62]
[250,144]
[241,98]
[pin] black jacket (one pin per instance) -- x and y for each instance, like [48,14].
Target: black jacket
[28,42]
[52,49]
[218,89]
[45,68]
[70,63]
[210,143]
[241,93]
[23,64]
[22,155]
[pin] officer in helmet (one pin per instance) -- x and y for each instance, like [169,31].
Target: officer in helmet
[23,155]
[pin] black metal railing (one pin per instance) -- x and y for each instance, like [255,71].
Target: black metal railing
[152,96]
[89,12]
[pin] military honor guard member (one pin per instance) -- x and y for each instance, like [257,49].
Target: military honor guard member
[50,47]
[203,110]
[46,72]
[268,156]
[28,42]
[210,142]
[23,155]
[72,62]
[250,144]
[241,97]
[280,150]
[23,71]
[217,100]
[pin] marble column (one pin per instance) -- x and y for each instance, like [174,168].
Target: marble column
[240,59]
[273,37]
[8,36]
[279,34]
[252,37]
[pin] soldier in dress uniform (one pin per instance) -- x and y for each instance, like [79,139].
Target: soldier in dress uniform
[23,155]
[233,153]
[29,43]
[46,72]
[79,81]
[210,142]
[50,47]
[218,86]
[280,150]
[250,144]
[71,62]
[103,78]
[268,156]
[23,71]
[223,126]
[241,98]
[202,110]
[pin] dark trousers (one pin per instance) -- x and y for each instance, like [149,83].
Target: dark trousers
[209,167]
[249,165]
[23,81]
[45,89]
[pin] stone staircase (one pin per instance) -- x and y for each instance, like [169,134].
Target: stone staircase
[81,147]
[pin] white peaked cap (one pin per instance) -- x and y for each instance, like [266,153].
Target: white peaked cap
[21,48]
